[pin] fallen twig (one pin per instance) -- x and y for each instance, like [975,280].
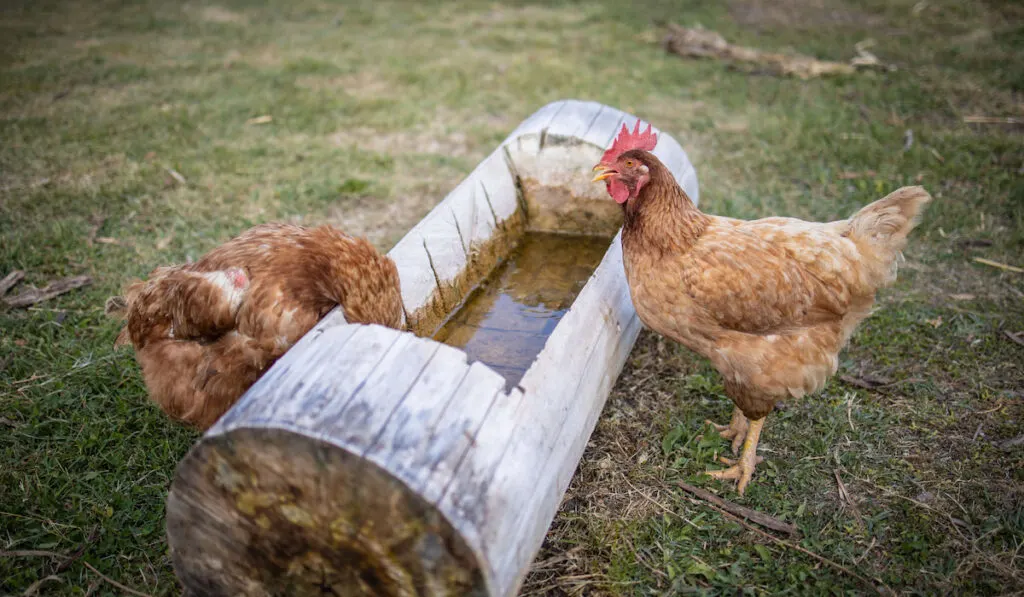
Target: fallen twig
[38,295]
[78,553]
[1017,337]
[855,175]
[871,383]
[36,553]
[1003,266]
[10,280]
[844,495]
[936,153]
[266,118]
[177,176]
[883,590]
[701,43]
[864,383]
[993,120]
[974,242]
[34,587]
[760,518]
[865,554]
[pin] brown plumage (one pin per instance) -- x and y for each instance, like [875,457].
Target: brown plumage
[204,332]
[769,302]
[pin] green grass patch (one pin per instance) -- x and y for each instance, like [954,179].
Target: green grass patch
[378,110]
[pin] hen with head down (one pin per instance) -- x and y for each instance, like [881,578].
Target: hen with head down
[204,332]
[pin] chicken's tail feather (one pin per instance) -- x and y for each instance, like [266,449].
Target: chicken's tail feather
[881,228]
[887,222]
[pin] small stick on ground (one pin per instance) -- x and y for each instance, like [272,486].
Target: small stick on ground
[177,176]
[1002,266]
[10,280]
[875,384]
[38,295]
[78,553]
[881,590]
[34,587]
[993,120]
[844,495]
[1016,337]
[760,518]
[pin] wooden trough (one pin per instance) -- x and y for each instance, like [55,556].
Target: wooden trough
[368,461]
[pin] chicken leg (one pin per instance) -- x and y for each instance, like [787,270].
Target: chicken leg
[743,469]
[736,430]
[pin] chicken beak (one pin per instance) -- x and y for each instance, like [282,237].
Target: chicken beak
[606,172]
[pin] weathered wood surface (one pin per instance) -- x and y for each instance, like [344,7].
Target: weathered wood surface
[392,466]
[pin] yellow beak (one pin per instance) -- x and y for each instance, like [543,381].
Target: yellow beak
[605,172]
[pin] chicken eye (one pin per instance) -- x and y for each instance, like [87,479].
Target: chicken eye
[629,163]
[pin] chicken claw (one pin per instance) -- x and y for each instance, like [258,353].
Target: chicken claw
[736,430]
[743,469]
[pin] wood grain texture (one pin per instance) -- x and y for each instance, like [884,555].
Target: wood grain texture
[358,428]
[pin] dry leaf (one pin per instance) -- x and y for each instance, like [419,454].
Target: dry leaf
[962,297]
[260,119]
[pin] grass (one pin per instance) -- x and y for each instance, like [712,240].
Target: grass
[378,109]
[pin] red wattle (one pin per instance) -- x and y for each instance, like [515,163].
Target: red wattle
[618,191]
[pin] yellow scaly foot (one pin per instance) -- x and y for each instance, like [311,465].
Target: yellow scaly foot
[736,430]
[743,469]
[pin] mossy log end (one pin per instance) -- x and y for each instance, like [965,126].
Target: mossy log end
[269,512]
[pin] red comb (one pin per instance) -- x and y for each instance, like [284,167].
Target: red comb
[627,141]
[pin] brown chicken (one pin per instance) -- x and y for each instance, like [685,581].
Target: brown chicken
[204,332]
[769,302]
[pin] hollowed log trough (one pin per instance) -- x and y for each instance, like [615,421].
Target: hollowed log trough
[369,461]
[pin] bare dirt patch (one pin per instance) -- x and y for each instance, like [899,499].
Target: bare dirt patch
[403,142]
[219,14]
[505,16]
[364,84]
